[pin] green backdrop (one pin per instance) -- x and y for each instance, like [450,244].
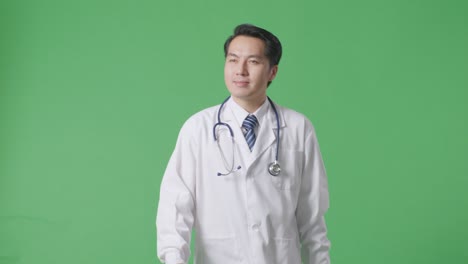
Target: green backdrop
[93,93]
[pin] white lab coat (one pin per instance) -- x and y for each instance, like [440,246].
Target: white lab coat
[248,216]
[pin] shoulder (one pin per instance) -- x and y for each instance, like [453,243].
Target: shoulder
[204,115]
[288,112]
[199,121]
[294,119]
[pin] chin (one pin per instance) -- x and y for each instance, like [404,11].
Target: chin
[240,94]
[239,91]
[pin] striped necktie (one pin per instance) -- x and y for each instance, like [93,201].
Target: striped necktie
[249,124]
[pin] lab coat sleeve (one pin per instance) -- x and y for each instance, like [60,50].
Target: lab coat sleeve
[312,204]
[175,216]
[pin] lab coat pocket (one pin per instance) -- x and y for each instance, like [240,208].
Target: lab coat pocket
[285,251]
[219,251]
[291,170]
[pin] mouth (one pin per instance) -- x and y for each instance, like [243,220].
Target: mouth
[241,83]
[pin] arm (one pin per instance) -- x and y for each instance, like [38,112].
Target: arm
[312,205]
[175,215]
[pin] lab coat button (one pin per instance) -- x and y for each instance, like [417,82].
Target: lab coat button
[255,227]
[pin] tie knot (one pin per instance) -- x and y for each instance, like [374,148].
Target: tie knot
[250,122]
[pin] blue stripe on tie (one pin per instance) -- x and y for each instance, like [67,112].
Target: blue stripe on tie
[249,124]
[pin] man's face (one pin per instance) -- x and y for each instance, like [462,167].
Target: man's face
[247,70]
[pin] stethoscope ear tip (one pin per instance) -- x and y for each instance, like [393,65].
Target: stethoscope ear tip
[225,174]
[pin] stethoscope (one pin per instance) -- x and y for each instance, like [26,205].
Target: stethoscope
[274,167]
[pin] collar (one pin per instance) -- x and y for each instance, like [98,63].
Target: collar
[240,113]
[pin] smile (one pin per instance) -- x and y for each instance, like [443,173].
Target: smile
[241,83]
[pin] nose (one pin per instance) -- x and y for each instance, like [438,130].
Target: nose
[242,69]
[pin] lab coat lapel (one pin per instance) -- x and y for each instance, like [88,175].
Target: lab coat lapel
[266,135]
[241,145]
[265,138]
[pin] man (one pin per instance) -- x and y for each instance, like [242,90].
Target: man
[247,175]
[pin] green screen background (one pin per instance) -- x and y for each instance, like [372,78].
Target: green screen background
[93,94]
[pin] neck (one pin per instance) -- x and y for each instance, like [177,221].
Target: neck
[250,105]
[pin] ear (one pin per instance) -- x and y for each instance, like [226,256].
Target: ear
[273,72]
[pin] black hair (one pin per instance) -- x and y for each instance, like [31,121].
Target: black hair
[273,49]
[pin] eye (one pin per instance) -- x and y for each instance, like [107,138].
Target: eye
[254,62]
[232,60]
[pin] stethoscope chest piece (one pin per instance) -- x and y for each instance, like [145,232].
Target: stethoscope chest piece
[274,168]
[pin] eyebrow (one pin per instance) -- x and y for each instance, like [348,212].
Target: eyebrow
[250,56]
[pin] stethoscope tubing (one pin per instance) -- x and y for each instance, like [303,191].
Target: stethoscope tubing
[273,167]
[219,123]
[277,128]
